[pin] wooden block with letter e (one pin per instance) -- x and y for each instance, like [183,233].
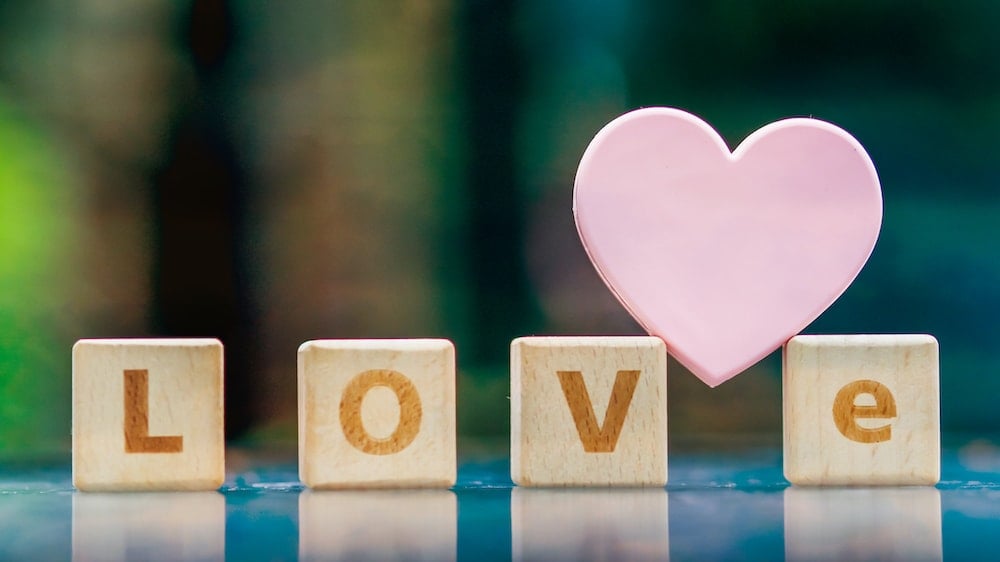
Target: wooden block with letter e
[861,410]
[147,414]
[377,413]
[589,411]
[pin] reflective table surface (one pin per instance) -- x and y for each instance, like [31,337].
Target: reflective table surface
[718,506]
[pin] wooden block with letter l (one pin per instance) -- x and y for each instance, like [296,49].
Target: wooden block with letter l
[861,410]
[148,414]
[377,413]
[589,411]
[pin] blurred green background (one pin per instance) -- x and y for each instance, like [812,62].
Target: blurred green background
[272,172]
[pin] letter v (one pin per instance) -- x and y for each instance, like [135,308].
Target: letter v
[603,438]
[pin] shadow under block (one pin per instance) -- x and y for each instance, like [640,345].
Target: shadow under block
[861,410]
[588,411]
[377,413]
[148,415]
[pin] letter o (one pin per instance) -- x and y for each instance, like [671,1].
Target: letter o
[410,412]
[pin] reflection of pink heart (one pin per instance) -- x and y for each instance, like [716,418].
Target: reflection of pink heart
[725,255]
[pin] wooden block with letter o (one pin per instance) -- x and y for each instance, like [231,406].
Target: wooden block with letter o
[589,411]
[147,414]
[377,413]
[861,410]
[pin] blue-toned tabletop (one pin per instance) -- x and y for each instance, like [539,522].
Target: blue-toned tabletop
[718,506]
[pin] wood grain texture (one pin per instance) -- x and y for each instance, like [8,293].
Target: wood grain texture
[861,410]
[148,414]
[589,411]
[377,413]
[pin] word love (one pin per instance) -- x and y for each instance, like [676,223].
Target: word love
[585,411]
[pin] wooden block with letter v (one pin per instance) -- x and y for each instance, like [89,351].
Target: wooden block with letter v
[861,410]
[147,414]
[377,413]
[589,411]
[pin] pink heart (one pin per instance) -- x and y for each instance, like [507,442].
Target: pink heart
[725,255]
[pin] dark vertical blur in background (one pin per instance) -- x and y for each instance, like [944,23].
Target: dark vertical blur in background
[200,275]
[268,173]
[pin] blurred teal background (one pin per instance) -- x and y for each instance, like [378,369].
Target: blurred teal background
[272,172]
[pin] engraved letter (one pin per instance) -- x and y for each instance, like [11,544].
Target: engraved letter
[603,438]
[410,412]
[137,438]
[846,413]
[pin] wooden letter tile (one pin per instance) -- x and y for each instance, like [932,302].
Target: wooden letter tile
[147,415]
[861,410]
[377,413]
[589,411]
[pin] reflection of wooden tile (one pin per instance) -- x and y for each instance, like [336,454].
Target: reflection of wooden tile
[174,527]
[378,525]
[589,411]
[147,415]
[861,410]
[862,524]
[377,413]
[589,524]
